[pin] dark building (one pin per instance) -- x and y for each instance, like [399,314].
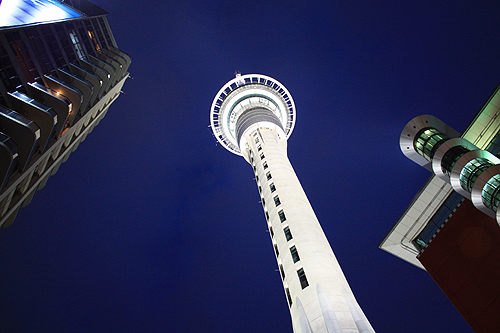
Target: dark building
[60,70]
[451,228]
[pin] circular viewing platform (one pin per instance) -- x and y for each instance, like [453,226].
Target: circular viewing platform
[245,92]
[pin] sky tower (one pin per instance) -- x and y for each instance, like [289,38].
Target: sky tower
[252,116]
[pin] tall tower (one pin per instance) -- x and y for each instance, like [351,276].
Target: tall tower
[252,116]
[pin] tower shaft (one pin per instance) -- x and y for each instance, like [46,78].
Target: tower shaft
[318,294]
[252,116]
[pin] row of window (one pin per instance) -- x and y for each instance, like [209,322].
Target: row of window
[41,49]
[286,230]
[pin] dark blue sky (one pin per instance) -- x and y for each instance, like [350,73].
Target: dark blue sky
[150,226]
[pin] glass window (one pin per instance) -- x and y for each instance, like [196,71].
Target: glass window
[491,193]
[276,250]
[265,165]
[282,271]
[282,216]
[277,201]
[295,254]
[302,278]
[256,139]
[268,175]
[288,296]
[267,216]
[259,148]
[263,201]
[272,187]
[262,156]
[271,231]
[428,141]
[288,234]
[437,221]
[471,171]
[451,157]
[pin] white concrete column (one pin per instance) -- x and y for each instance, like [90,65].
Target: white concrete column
[327,303]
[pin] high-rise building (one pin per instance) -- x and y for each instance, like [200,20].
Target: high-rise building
[60,70]
[252,116]
[451,229]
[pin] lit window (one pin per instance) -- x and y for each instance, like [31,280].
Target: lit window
[491,193]
[295,254]
[288,234]
[302,278]
[281,213]
[272,187]
[428,141]
[265,165]
[268,175]
[77,45]
[471,171]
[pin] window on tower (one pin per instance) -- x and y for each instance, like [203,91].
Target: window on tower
[302,278]
[262,156]
[288,296]
[288,234]
[282,271]
[259,148]
[271,231]
[277,201]
[277,252]
[265,165]
[272,187]
[295,254]
[256,139]
[268,175]
[282,216]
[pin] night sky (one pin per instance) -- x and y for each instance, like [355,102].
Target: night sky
[152,226]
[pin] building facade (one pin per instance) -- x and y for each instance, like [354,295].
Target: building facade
[252,116]
[451,228]
[60,70]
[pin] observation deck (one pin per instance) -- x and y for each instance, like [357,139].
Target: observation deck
[246,92]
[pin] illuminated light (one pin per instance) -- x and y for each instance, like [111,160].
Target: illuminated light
[19,12]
